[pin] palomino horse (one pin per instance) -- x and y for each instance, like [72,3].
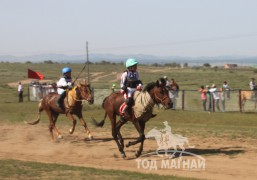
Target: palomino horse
[72,106]
[153,93]
[248,95]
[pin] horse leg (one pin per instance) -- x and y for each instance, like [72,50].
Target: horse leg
[83,122]
[54,117]
[112,117]
[74,122]
[52,124]
[118,126]
[141,135]
[138,153]
[243,105]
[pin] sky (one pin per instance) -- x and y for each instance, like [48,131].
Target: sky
[151,27]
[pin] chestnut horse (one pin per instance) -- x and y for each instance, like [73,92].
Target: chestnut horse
[72,106]
[153,93]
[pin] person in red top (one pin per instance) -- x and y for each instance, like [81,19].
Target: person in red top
[203,92]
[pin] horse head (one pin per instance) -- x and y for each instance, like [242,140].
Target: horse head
[161,93]
[86,92]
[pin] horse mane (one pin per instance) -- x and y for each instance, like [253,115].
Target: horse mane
[149,86]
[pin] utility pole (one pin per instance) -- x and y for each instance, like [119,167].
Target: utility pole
[88,76]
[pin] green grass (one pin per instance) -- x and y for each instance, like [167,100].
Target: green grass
[13,169]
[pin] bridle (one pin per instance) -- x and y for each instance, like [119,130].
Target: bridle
[160,99]
[79,94]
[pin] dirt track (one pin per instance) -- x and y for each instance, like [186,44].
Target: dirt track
[234,159]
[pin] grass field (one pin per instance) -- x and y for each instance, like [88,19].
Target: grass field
[229,125]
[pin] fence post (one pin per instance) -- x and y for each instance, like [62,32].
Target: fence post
[28,94]
[239,100]
[183,100]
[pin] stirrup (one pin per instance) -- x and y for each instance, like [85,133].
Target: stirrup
[122,118]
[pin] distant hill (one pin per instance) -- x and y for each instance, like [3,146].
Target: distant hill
[145,59]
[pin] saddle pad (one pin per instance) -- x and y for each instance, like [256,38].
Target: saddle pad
[143,103]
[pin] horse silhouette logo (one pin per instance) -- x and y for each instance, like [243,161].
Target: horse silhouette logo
[166,139]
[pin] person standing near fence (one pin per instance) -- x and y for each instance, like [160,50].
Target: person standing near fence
[222,98]
[20,92]
[203,92]
[252,84]
[175,89]
[215,94]
[209,97]
[226,89]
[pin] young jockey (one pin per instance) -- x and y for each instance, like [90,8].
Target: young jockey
[64,83]
[129,83]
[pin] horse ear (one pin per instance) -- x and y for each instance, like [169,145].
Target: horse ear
[159,83]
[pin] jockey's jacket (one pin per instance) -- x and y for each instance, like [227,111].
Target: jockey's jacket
[130,79]
[63,83]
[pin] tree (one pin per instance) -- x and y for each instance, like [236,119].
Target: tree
[206,65]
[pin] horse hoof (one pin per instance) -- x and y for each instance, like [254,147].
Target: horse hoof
[59,136]
[127,145]
[123,155]
[137,154]
[71,131]
[90,137]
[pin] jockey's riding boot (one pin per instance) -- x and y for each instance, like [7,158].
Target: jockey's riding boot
[125,114]
[60,100]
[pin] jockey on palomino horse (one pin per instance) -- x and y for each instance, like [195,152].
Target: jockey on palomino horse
[64,84]
[129,84]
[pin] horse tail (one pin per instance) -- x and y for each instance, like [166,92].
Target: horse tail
[101,123]
[39,113]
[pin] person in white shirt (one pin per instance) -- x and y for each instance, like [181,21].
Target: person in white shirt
[20,92]
[252,84]
[226,89]
[63,84]
[215,94]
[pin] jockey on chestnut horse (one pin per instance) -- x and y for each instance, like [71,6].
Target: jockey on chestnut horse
[69,102]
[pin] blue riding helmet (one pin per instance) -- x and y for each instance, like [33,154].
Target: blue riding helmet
[66,70]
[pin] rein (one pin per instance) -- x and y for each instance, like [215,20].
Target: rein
[78,96]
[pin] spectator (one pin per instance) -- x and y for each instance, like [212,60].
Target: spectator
[175,89]
[222,98]
[203,92]
[252,84]
[113,87]
[209,97]
[226,89]
[20,92]
[167,81]
[215,95]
